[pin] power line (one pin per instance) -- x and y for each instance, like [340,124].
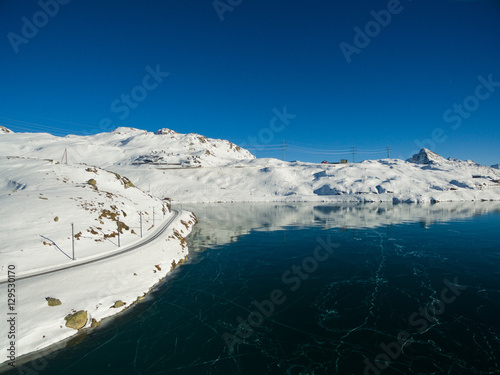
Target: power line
[320,152]
[32,129]
[34,125]
[260,145]
[265,149]
[315,149]
[333,152]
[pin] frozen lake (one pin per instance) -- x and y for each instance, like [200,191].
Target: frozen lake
[314,289]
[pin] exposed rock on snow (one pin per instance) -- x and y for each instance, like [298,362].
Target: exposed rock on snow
[165,131]
[118,304]
[53,301]
[5,130]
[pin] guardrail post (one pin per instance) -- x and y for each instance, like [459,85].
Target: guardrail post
[73,239]
[118,223]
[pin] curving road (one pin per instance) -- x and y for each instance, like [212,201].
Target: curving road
[82,262]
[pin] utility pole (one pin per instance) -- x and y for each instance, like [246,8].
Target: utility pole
[353,154]
[153,216]
[65,156]
[388,152]
[284,149]
[118,223]
[140,215]
[73,239]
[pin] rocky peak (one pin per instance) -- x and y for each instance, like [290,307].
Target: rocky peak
[165,131]
[426,156]
[3,129]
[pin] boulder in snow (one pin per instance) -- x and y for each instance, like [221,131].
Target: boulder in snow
[76,320]
[53,301]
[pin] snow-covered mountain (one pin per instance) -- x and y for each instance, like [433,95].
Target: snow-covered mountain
[193,168]
[126,146]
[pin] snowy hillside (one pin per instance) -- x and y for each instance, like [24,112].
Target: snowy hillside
[385,180]
[162,163]
[39,200]
[126,146]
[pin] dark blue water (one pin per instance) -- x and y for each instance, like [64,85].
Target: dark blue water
[310,289]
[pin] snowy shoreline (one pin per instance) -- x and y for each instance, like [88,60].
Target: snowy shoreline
[42,202]
[127,278]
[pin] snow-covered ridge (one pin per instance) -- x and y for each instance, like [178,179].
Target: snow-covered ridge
[125,146]
[193,168]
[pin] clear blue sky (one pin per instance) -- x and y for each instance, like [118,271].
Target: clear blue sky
[229,69]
